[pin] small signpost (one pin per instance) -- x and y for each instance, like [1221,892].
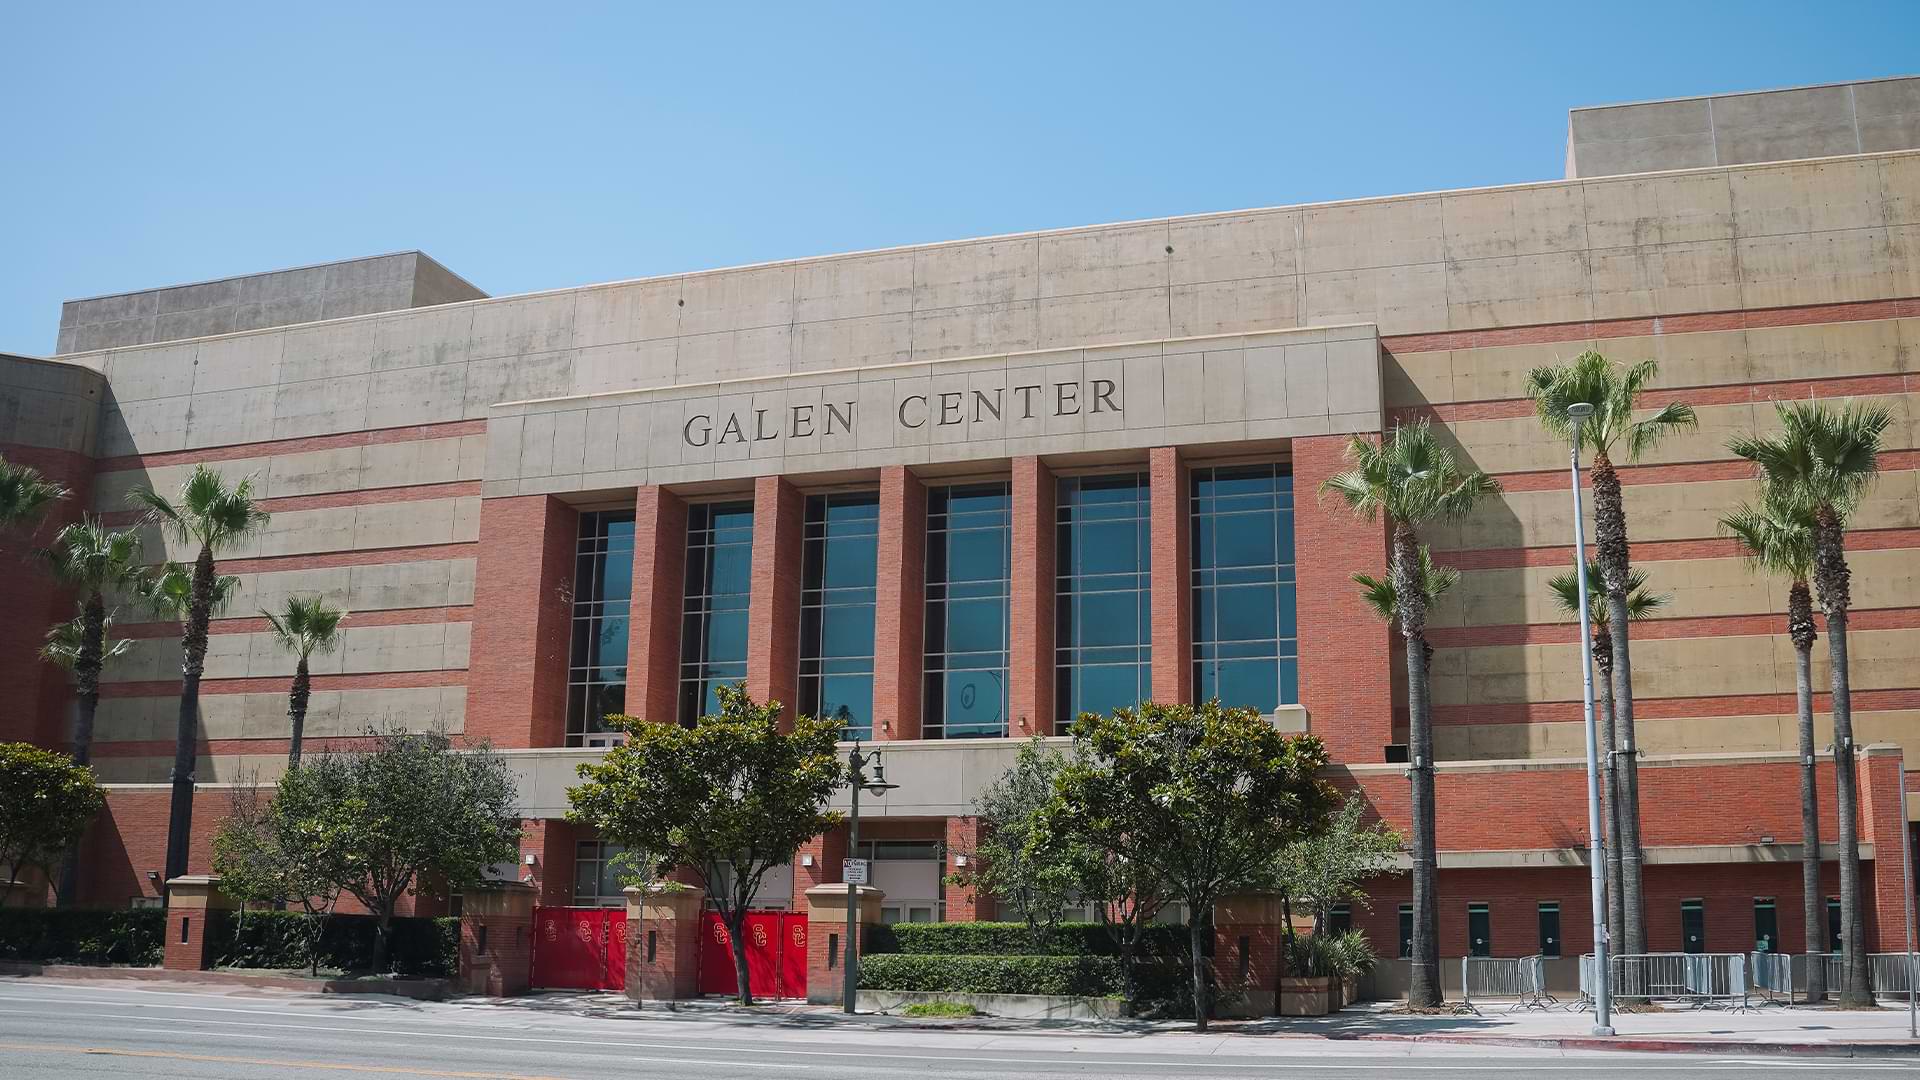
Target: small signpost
[853,871]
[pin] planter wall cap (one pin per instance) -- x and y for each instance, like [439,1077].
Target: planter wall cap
[499,886]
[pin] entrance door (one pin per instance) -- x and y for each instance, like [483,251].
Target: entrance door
[776,955]
[579,948]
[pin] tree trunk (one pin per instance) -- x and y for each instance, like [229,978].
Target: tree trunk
[1128,946]
[86,678]
[380,938]
[737,940]
[1801,629]
[1611,552]
[1201,1004]
[1609,745]
[193,660]
[1832,578]
[1423,986]
[297,710]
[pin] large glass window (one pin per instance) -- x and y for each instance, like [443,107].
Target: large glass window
[1103,618]
[596,874]
[1245,645]
[713,634]
[969,544]
[602,592]
[836,609]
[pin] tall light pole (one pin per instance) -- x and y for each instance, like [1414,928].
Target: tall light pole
[857,780]
[1603,988]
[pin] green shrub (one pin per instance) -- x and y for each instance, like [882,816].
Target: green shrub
[278,939]
[1343,956]
[1070,976]
[83,935]
[1014,939]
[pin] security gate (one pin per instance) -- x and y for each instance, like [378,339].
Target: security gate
[579,948]
[776,955]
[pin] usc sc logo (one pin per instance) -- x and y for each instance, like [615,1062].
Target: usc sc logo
[759,936]
[800,935]
[719,934]
[552,932]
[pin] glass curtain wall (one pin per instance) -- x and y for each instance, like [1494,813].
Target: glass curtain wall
[1245,643]
[602,593]
[969,546]
[1103,617]
[713,636]
[840,555]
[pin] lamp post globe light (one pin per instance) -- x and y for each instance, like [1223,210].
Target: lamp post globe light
[1579,412]
[857,781]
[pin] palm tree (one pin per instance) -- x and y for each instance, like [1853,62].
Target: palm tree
[211,516]
[1778,539]
[1641,604]
[93,560]
[1613,391]
[25,495]
[308,626]
[1412,479]
[79,643]
[1823,461]
[1434,580]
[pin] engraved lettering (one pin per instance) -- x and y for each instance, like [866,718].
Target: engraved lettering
[980,401]
[1061,399]
[802,414]
[706,430]
[1103,390]
[845,418]
[1026,400]
[733,429]
[950,408]
[760,432]
[908,400]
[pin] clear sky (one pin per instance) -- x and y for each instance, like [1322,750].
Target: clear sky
[542,145]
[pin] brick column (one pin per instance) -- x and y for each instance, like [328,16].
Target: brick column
[1031,592]
[826,933]
[1247,953]
[663,944]
[551,843]
[496,939]
[899,614]
[1883,820]
[827,851]
[522,616]
[773,610]
[194,901]
[659,588]
[965,903]
[1346,654]
[1172,576]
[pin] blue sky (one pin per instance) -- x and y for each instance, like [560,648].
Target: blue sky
[536,146]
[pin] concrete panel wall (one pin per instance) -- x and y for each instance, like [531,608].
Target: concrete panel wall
[370,527]
[49,405]
[363,650]
[1740,129]
[314,472]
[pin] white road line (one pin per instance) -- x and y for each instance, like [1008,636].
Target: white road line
[219,1034]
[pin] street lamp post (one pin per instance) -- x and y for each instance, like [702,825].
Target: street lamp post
[857,780]
[1603,989]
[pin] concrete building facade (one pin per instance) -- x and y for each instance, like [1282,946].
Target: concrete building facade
[954,492]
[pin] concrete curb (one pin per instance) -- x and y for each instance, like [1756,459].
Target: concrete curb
[1646,1045]
[415,989]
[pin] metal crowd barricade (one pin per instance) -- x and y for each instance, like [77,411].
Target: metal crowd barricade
[1772,976]
[1704,979]
[1519,980]
[1892,974]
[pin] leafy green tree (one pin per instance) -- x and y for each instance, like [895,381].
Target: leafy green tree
[1328,868]
[46,803]
[1823,461]
[1777,536]
[93,560]
[25,496]
[309,625]
[407,809]
[264,860]
[1203,794]
[208,515]
[1614,392]
[1641,604]
[1036,880]
[1412,479]
[731,798]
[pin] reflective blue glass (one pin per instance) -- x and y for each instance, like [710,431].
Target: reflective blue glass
[602,591]
[969,545]
[838,565]
[1103,620]
[1245,633]
[713,639]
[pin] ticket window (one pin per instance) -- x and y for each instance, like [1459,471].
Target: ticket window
[1479,930]
[1550,929]
[1766,925]
[1693,926]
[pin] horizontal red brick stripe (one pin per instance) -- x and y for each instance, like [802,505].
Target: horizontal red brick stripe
[268,564]
[1723,394]
[1655,550]
[384,680]
[275,447]
[255,624]
[226,747]
[1686,472]
[334,499]
[1701,626]
[1654,326]
[1673,708]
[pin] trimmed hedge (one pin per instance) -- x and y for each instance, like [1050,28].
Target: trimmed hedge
[278,939]
[1066,976]
[1161,940]
[83,935]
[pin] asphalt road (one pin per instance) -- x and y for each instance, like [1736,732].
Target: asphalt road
[69,1030]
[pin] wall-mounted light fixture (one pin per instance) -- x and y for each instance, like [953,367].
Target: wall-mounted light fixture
[527,859]
[806,860]
[959,860]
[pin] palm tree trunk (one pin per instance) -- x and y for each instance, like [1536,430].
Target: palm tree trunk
[193,661]
[1832,577]
[1609,744]
[1423,985]
[297,710]
[86,677]
[1800,628]
[1610,551]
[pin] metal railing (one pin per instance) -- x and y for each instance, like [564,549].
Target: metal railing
[1519,980]
[1703,979]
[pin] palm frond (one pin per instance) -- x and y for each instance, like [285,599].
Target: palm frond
[93,558]
[25,495]
[64,641]
[1641,602]
[309,625]
[206,513]
[1822,456]
[1381,596]
[1410,476]
[1614,392]
[1776,535]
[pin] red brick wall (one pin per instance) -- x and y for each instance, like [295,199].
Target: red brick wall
[965,903]
[130,838]
[773,610]
[1883,821]
[551,843]
[1346,659]
[1032,590]
[39,696]
[522,613]
[659,588]
[827,849]
[1172,576]
[900,602]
